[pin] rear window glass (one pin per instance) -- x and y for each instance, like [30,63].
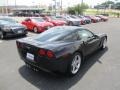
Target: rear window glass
[53,34]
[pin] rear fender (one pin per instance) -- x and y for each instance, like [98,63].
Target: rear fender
[102,37]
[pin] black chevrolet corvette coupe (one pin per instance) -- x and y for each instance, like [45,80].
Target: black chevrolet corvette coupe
[61,48]
[9,27]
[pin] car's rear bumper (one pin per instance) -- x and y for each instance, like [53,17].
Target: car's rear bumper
[59,64]
[12,34]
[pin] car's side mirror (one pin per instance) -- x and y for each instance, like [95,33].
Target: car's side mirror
[96,36]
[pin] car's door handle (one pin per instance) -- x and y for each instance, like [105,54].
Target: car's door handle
[85,42]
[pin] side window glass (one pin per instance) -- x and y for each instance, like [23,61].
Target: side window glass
[28,19]
[84,34]
[71,37]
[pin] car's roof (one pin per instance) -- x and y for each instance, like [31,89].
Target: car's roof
[34,17]
[69,28]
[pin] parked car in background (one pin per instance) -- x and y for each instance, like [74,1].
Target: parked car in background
[103,18]
[98,19]
[9,28]
[55,21]
[82,21]
[61,48]
[72,21]
[62,17]
[93,19]
[37,24]
[87,20]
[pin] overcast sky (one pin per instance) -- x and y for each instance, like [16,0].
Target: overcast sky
[47,2]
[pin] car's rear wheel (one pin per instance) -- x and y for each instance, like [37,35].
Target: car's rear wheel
[1,35]
[104,44]
[35,29]
[75,64]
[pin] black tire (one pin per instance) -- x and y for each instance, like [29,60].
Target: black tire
[104,44]
[70,23]
[70,71]
[2,35]
[35,29]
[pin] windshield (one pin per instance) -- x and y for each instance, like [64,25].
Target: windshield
[60,18]
[54,18]
[4,22]
[72,16]
[75,17]
[8,20]
[53,34]
[38,19]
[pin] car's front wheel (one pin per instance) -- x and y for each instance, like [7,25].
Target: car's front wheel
[35,29]
[75,64]
[70,23]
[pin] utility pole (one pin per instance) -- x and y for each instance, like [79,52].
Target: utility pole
[7,7]
[55,6]
[105,7]
[15,3]
[61,6]
[81,1]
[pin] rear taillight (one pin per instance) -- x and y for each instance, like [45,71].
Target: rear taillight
[46,53]
[50,54]
[42,52]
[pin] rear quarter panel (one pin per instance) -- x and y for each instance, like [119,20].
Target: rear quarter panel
[102,37]
[68,49]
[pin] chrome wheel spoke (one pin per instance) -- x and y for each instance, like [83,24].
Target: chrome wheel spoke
[104,43]
[76,64]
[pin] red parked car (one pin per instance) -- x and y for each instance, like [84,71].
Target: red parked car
[37,24]
[93,19]
[55,21]
[103,18]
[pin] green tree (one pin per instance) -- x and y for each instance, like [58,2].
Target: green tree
[107,3]
[71,10]
[78,9]
[117,5]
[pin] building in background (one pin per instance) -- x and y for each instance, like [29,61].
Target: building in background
[22,10]
[27,11]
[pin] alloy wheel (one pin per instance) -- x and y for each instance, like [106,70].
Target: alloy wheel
[76,63]
[35,29]
[104,43]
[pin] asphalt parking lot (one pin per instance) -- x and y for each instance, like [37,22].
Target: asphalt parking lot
[100,72]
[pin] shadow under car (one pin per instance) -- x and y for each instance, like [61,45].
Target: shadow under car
[44,80]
